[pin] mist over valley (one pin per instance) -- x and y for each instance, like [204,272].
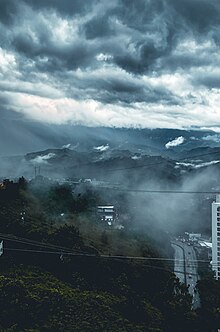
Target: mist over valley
[121,160]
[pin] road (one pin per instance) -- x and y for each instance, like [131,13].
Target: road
[186,268]
[191,273]
[179,267]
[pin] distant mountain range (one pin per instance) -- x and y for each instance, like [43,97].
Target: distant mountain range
[123,154]
[21,137]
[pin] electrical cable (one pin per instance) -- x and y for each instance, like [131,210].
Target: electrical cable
[36,243]
[160,191]
[113,258]
[107,256]
[145,165]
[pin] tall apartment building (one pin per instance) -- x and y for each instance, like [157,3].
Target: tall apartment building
[216,237]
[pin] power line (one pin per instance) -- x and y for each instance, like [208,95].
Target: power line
[146,165]
[115,258]
[75,252]
[37,244]
[160,191]
[68,251]
[39,251]
[110,257]
[181,261]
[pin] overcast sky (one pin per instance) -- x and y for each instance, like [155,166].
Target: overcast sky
[142,63]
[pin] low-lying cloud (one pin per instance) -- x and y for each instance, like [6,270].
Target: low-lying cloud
[43,159]
[67,146]
[198,165]
[177,141]
[101,148]
[215,138]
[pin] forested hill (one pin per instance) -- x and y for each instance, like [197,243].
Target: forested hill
[48,284]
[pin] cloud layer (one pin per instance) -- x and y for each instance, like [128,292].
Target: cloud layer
[43,159]
[114,63]
[177,141]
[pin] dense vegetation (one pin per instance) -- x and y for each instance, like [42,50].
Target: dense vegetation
[42,291]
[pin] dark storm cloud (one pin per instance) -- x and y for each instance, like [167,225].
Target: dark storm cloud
[118,89]
[64,7]
[161,26]
[184,61]
[99,27]
[8,11]
[59,57]
[200,14]
[150,29]
[123,52]
[209,80]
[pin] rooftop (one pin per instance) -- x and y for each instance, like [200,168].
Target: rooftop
[106,207]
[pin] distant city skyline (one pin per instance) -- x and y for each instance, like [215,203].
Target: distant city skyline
[111,63]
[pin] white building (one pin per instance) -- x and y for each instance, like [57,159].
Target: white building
[194,236]
[107,213]
[216,237]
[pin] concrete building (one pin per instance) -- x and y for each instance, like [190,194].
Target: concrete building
[193,237]
[107,213]
[216,237]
